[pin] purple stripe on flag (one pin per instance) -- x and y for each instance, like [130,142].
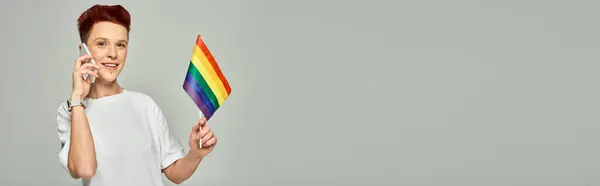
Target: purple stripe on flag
[197,100]
[200,92]
[197,95]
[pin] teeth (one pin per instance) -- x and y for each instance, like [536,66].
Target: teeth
[110,65]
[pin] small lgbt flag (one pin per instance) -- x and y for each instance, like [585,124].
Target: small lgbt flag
[204,82]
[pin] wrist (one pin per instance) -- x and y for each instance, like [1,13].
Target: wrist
[194,157]
[76,96]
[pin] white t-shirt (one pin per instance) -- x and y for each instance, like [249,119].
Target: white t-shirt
[132,139]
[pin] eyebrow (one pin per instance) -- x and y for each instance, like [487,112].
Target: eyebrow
[122,40]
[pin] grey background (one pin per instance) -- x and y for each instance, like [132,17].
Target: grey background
[419,93]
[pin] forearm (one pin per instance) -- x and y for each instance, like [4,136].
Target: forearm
[82,155]
[182,169]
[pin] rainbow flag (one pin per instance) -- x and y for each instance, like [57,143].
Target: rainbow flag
[204,82]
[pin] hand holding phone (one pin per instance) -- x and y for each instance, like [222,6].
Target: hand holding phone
[85,51]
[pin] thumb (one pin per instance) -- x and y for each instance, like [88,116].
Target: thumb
[202,121]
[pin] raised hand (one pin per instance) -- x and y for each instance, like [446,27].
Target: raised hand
[202,135]
[81,87]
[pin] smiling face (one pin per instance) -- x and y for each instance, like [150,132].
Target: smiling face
[107,43]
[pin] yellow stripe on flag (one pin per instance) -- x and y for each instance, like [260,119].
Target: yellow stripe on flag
[211,70]
[209,74]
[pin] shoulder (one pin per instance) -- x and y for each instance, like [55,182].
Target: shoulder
[141,98]
[144,101]
[138,95]
[148,105]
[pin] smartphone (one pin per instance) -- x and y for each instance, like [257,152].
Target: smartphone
[85,51]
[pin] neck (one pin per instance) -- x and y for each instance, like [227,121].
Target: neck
[102,89]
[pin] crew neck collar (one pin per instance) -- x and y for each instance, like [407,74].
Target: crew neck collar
[106,98]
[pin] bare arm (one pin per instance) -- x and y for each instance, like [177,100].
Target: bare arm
[82,154]
[182,169]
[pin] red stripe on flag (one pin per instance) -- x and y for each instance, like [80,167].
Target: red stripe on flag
[213,62]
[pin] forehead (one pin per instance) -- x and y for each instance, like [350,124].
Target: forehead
[108,30]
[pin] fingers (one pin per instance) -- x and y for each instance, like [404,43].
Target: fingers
[87,68]
[90,66]
[205,130]
[207,137]
[202,129]
[80,60]
[203,134]
[80,72]
[210,142]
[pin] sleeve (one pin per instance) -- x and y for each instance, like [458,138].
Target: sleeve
[170,148]
[63,120]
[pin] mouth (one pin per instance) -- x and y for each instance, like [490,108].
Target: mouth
[110,65]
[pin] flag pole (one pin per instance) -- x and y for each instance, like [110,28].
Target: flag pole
[200,129]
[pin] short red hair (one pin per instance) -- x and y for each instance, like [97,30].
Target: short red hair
[98,13]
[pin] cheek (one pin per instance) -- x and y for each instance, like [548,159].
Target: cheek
[98,55]
[123,54]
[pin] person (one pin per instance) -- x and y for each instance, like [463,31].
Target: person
[113,136]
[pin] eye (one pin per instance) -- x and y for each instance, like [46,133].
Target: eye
[121,45]
[101,43]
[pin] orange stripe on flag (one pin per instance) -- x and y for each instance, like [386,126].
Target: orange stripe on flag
[213,62]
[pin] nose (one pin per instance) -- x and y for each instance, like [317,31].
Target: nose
[112,53]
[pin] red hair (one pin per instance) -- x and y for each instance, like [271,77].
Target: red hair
[98,13]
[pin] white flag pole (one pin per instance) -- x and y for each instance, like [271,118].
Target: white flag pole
[200,129]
